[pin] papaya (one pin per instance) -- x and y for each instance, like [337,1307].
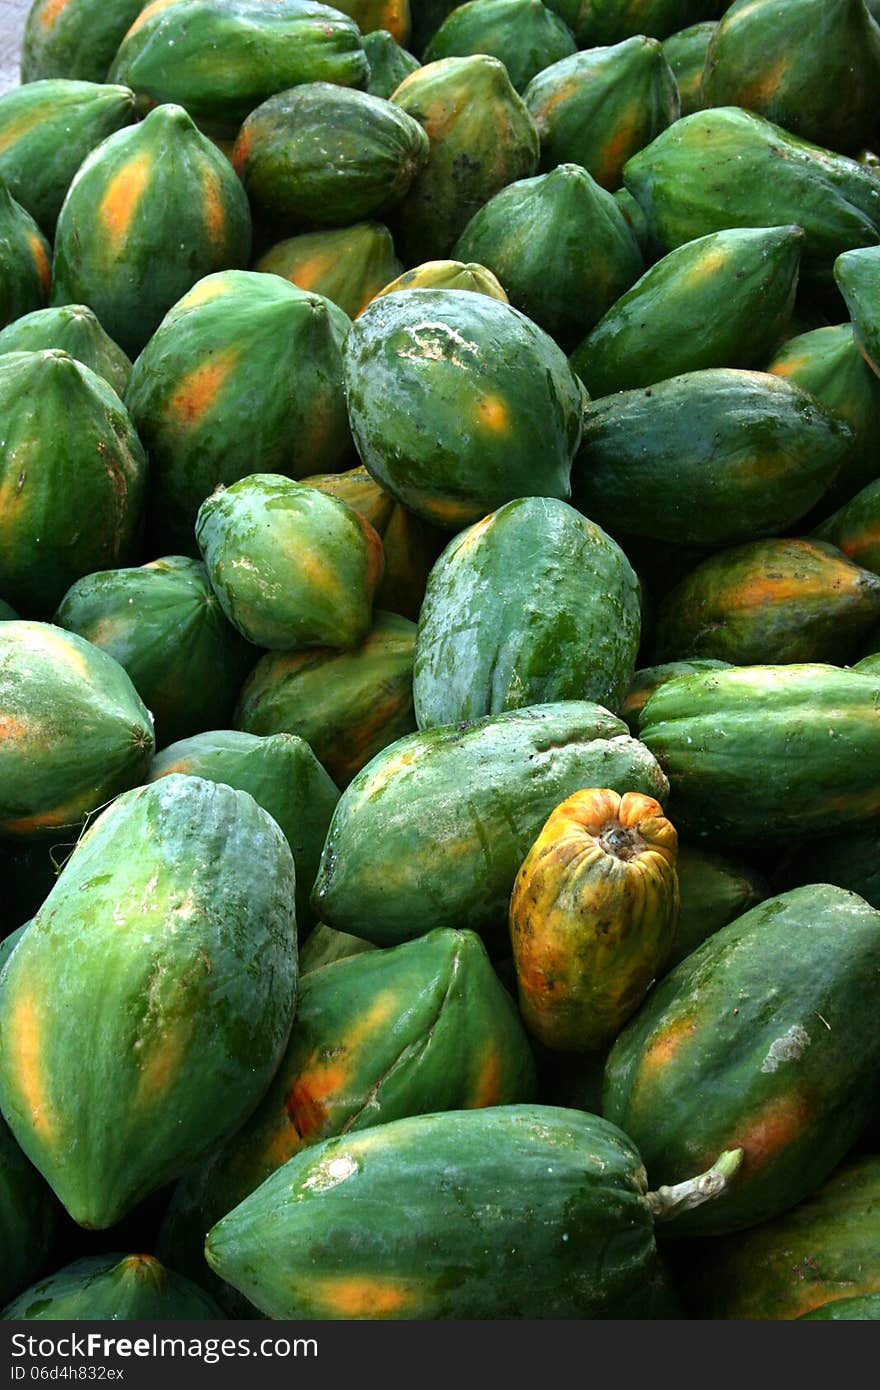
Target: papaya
[714,890]
[760,754]
[348,265]
[708,458]
[827,363]
[373,16]
[311,1242]
[75,39]
[389,63]
[770,601]
[326,154]
[75,330]
[324,946]
[524,34]
[566,220]
[239,345]
[599,108]
[347,705]
[25,261]
[637,223]
[118,1288]
[221,58]
[153,209]
[448,275]
[75,732]
[283,776]
[458,403]
[649,678]
[593,915]
[532,605]
[855,528]
[28,1214]
[730,168]
[858,278]
[849,859]
[761,1041]
[69,452]
[685,52]
[167,950]
[861,1308]
[291,566]
[811,66]
[164,625]
[472,796]
[826,1249]
[46,130]
[481,138]
[607,21]
[723,300]
[869,665]
[419,1028]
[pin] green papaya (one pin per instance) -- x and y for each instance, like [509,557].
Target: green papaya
[164,625]
[221,58]
[329,155]
[153,209]
[239,345]
[730,168]
[562,220]
[167,953]
[389,63]
[858,278]
[28,1215]
[74,38]
[481,138]
[786,1074]
[760,754]
[649,678]
[75,330]
[532,605]
[348,265]
[861,1308]
[827,363]
[607,21]
[419,1028]
[117,1288]
[449,275]
[72,477]
[855,528]
[448,816]
[347,705]
[849,858]
[524,34]
[25,261]
[685,52]
[723,300]
[599,108]
[714,890]
[811,66]
[324,946]
[458,403]
[708,458]
[283,776]
[291,566]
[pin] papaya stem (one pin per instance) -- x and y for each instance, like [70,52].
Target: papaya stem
[668,1202]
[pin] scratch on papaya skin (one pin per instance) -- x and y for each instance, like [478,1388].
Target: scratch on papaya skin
[771,1129]
[200,387]
[51,12]
[363,1297]
[120,202]
[24,1046]
[41,260]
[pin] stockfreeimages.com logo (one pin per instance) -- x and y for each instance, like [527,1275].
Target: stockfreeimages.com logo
[94,1346]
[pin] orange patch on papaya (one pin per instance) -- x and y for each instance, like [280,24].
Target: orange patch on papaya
[618,150]
[763,590]
[436,117]
[119,204]
[665,1045]
[51,642]
[771,1129]
[198,389]
[711,263]
[25,1057]
[790,367]
[353,1296]
[41,260]
[309,272]
[561,94]
[310,1096]
[215,213]
[58,818]
[212,287]
[283,1144]
[25,123]
[51,11]
[492,413]
[147,13]
[10,727]
[765,87]
[161,1066]
[241,150]
[488,1088]
[181,766]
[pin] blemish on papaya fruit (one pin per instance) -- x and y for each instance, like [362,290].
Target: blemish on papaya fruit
[487,1091]
[51,11]
[363,1297]
[771,1129]
[41,260]
[26,1060]
[212,287]
[10,727]
[118,207]
[198,389]
[712,263]
[282,1144]
[492,413]
[309,1098]
[215,214]
[182,765]
[161,1066]
[666,1044]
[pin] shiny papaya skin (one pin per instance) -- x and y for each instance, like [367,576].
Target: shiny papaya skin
[685,52]
[75,731]
[389,63]
[649,678]
[525,36]
[75,330]
[855,528]
[714,890]
[593,916]
[75,39]
[348,265]
[449,275]
[113,1287]
[723,300]
[566,220]
[220,60]
[136,200]
[474,796]
[728,167]
[419,1028]
[186,1017]
[28,1212]
[708,458]
[858,278]
[164,625]
[347,706]
[283,776]
[582,1176]
[860,1308]
[532,605]
[812,66]
[770,601]
[25,261]
[758,1040]
[812,730]
[324,946]
[600,107]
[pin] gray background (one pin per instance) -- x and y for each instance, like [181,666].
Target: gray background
[12,16]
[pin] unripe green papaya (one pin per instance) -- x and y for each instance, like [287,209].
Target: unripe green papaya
[151,210]
[860,1308]
[28,1213]
[649,678]
[74,38]
[565,220]
[855,529]
[858,278]
[714,890]
[685,52]
[113,1288]
[598,108]
[25,261]
[389,63]
[324,946]
[524,34]
[75,330]
[608,21]
[348,265]
[167,949]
